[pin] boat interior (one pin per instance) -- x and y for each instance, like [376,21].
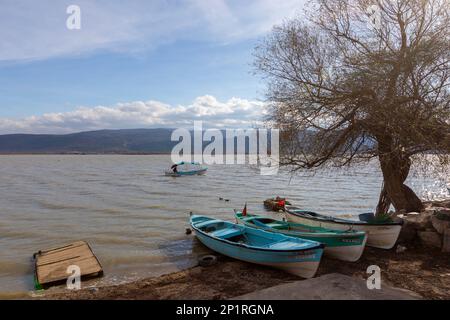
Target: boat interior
[265,222]
[237,234]
[279,225]
[222,230]
[308,213]
[329,218]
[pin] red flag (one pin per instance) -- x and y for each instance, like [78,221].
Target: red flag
[244,212]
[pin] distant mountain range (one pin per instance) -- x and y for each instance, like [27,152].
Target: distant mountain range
[126,141]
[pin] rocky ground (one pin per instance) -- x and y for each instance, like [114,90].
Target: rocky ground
[425,271]
[417,263]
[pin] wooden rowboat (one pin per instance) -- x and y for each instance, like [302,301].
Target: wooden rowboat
[297,256]
[382,235]
[343,245]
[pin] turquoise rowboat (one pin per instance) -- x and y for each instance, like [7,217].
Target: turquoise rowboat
[186,169]
[380,234]
[343,245]
[294,255]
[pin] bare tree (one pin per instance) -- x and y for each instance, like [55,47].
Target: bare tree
[360,79]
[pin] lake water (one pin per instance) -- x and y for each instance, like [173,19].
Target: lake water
[135,218]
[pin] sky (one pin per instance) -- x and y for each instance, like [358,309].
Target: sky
[133,64]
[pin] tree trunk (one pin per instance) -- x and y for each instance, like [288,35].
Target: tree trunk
[384,202]
[395,170]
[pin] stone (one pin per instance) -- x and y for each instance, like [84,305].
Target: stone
[441,203]
[441,220]
[333,286]
[444,203]
[412,222]
[400,249]
[408,234]
[418,221]
[446,241]
[430,238]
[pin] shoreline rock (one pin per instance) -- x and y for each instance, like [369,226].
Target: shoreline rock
[446,241]
[426,227]
[441,220]
[430,238]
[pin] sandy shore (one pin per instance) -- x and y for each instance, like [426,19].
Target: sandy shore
[424,271]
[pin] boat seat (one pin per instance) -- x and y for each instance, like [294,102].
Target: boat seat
[226,233]
[206,223]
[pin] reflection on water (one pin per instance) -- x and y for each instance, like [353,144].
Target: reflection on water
[135,218]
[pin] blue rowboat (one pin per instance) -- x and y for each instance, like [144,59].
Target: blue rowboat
[343,245]
[294,255]
[380,234]
[186,169]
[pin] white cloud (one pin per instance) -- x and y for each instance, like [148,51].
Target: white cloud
[234,113]
[33,30]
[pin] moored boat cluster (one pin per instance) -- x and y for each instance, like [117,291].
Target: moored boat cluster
[296,242]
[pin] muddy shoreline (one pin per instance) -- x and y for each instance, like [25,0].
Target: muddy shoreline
[425,271]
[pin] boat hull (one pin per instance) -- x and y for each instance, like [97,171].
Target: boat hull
[300,263]
[378,236]
[346,253]
[185,173]
[342,247]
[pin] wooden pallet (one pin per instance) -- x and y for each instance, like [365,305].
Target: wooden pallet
[51,264]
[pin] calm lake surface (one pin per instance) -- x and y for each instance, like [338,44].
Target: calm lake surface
[135,218]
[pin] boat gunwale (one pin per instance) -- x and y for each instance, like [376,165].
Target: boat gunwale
[186,173]
[243,245]
[338,220]
[347,234]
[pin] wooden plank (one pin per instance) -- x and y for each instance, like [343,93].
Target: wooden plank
[51,265]
[58,271]
[82,252]
[62,248]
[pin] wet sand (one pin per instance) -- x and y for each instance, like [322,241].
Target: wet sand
[424,271]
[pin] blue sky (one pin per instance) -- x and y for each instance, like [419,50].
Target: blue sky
[162,59]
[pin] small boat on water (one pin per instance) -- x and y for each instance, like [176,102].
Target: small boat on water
[294,255]
[276,204]
[343,245]
[186,169]
[380,234]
